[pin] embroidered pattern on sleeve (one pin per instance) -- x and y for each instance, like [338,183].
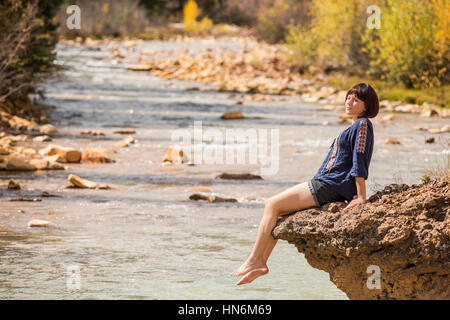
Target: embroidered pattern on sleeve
[362,136]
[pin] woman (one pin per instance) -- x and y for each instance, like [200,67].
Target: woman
[341,176]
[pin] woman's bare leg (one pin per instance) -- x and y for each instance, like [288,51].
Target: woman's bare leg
[293,199]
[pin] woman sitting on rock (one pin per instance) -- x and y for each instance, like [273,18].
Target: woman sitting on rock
[340,177]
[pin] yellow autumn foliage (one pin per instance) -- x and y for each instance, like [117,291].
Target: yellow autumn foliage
[412,45]
[190,14]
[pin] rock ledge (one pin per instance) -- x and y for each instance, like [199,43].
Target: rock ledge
[403,232]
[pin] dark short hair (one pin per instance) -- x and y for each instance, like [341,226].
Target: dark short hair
[367,94]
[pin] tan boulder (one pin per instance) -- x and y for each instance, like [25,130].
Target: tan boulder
[52,165]
[444,129]
[68,154]
[95,155]
[40,164]
[19,164]
[4,151]
[79,182]
[29,152]
[21,137]
[82,183]
[19,123]
[55,158]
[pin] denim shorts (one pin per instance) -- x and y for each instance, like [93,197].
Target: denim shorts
[322,193]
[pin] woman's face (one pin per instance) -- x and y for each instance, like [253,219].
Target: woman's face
[353,105]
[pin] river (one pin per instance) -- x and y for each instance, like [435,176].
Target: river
[145,239]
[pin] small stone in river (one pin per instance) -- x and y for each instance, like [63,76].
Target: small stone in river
[78,182]
[125,131]
[174,155]
[234,114]
[81,183]
[125,142]
[92,133]
[140,67]
[25,199]
[13,185]
[391,141]
[429,113]
[47,129]
[43,138]
[40,223]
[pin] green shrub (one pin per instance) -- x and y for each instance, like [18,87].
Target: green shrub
[27,42]
[274,21]
[412,45]
[332,40]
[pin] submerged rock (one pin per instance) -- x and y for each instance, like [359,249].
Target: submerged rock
[210,198]
[13,185]
[238,176]
[40,223]
[234,114]
[396,246]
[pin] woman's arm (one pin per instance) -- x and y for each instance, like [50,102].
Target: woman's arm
[361,189]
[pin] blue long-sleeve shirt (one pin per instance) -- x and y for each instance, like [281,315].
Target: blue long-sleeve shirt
[349,157]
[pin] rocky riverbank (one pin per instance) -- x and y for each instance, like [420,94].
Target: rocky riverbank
[255,67]
[402,232]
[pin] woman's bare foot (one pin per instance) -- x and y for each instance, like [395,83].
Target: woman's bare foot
[247,266]
[252,275]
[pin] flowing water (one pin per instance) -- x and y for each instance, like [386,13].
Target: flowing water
[145,239]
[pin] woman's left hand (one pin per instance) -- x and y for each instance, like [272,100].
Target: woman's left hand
[354,203]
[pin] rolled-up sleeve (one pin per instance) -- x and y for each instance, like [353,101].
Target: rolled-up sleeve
[363,140]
